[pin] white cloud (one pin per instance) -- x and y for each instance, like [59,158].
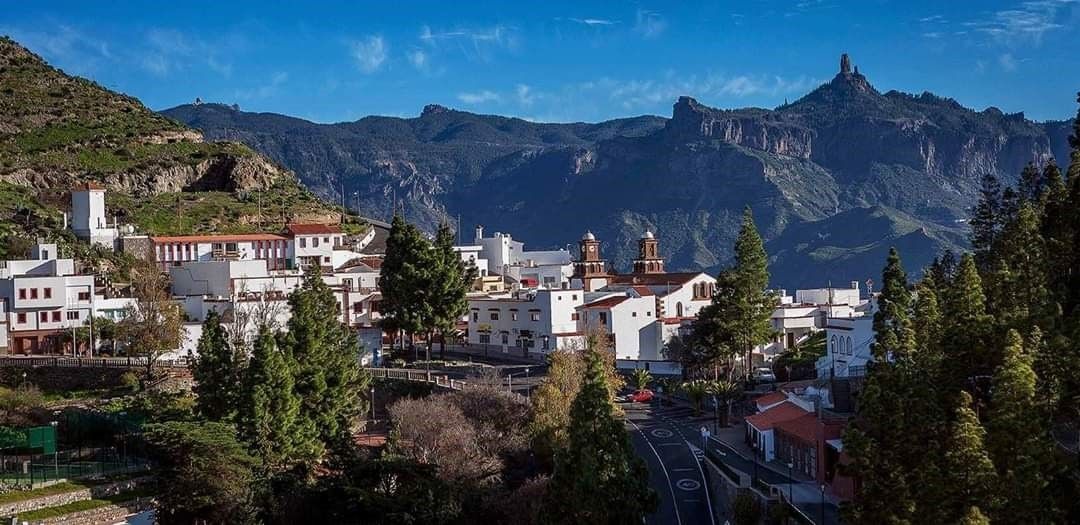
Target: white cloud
[1007,62]
[525,95]
[418,58]
[649,24]
[369,53]
[594,21]
[479,97]
[1027,22]
[635,94]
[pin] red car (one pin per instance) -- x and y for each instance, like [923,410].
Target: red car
[641,396]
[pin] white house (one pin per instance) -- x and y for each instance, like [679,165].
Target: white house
[532,269]
[848,341]
[88,218]
[536,321]
[43,297]
[796,318]
[314,244]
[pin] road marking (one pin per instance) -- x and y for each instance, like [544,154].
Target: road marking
[661,433]
[669,444]
[708,496]
[688,484]
[666,475]
[682,470]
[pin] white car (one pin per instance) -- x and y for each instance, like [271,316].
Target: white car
[764,375]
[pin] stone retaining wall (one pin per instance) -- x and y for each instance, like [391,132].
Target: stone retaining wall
[55,500]
[108,514]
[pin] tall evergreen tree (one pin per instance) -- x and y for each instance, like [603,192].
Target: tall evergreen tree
[449,280]
[943,269]
[402,278]
[894,336]
[967,466]
[965,329]
[711,344]
[1031,183]
[1017,284]
[598,478]
[270,409]
[1056,234]
[927,321]
[753,303]
[217,370]
[327,357]
[1019,440]
[986,216]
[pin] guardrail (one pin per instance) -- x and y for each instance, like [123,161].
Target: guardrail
[89,362]
[423,376]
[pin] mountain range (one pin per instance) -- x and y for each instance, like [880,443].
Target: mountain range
[834,178]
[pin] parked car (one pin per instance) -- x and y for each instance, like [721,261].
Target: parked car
[641,396]
[764,375]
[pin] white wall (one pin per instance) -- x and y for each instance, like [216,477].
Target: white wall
[554,311]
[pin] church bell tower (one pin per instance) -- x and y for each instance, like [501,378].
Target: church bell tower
[648,259]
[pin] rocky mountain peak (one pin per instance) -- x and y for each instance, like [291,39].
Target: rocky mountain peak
[849,76]
[434,109]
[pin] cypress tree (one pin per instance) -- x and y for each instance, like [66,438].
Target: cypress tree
[405,305]
[969,472]
[270,410]
[326,354]
[753,304]
[448,283]
[598,478]
[1018,440]
[894,336]
[217,372]
[965,328]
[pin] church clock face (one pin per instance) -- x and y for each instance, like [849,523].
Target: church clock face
[592,248]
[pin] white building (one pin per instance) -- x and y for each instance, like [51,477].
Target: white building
[88,218]
[796,318]
[848,341]
[42,298]
[532,269]
[536,321]
[315,244]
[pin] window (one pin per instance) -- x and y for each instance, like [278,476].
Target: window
[303,242]
[326,260]
[374,306]
[56,317]
[475,316]
[33,293]
[678,309]
[485,339]
[546,347]
[21,318]
[505,338]
[314,242]
[513,316]
[574,297]
[230,247]
[326,240]
[574,316]
[48,293]
[603,317]
[633,314]
[44,317]
[73,315]
[22,293]
[494,316]
[535,316]
[358,308]
[648,313]
[84,296]
[832,344]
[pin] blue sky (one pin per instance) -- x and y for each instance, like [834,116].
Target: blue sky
[555,61]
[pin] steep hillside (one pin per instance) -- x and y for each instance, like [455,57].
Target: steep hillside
[57,131]
[842,154]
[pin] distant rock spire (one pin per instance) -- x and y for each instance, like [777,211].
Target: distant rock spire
[845,64]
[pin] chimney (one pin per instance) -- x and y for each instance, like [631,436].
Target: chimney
[845,64]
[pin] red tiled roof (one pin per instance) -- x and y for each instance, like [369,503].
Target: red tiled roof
[605,303]
[773,416]
[312,229]
[655,279]
[770,399]
[643,291]
[241,237]
[804,427]
[88,186]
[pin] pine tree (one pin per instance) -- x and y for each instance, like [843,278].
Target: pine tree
[974,516]
[449,281]
[1056,234]
[598,478]
[943,269]
[217,372]
[1017,284]
[927,322]
[1018,440]
[966,465]
[1031,183]
[965,328]
[753,304]
[327,358]
[403,276]
[894,336]
[270,419]
[986,216]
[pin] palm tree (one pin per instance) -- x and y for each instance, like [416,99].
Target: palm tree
[641,378]
[725,391]
[696,390]
[670,385]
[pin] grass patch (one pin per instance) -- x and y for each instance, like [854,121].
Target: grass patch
[84,505]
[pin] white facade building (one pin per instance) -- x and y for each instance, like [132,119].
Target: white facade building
[42,298]
[538,321]
[796,318]
[88,218]
[507,257]
[848,341]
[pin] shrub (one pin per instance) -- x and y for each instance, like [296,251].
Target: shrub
[130,381]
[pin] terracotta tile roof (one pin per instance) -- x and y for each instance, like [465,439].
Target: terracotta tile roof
[312,229]
[605,303]
[643,291]
[241,237]
[88,186]
[803,427]
[770,399]
[773,416]
[655,279]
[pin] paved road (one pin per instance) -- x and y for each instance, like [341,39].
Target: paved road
[674,472]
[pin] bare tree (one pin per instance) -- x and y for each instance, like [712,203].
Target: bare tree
[250,316]
[435,431]
[154,324]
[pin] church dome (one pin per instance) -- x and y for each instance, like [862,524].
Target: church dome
[588,236]
[648,235]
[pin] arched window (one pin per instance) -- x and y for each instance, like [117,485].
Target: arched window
[848,345]
[832,344]
[678,309]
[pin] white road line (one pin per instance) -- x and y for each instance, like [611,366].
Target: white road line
[708,497]
[666,475]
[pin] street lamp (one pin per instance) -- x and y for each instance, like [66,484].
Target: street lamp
[372,401]
[823,504]
[754,449]
[56,462]
[791,483]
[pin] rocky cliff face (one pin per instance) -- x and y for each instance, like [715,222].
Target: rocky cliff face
[899,168]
